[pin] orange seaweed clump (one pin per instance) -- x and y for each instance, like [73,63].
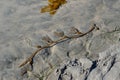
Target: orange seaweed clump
[52,6]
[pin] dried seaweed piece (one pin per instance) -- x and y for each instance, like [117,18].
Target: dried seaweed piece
[60,2]
[52,12]
[47,39]
[26,68]
[53,5]
[39,46]
[74,30]
[50,8]
[30,59]
[45,9]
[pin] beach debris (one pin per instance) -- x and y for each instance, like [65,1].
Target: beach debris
[47,39]
[52,6]
[74,30]
[51,43]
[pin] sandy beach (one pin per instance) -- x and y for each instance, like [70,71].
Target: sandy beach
[22,27]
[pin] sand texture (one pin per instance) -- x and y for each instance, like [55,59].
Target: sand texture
[94,56]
